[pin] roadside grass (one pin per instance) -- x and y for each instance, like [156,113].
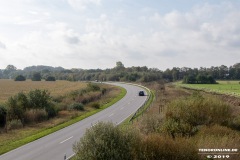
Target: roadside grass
[140,112]
[223,87]
[208,136]
[32,134]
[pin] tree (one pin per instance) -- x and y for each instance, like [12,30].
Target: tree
[11,68]
[106,141]
[20,78]
[50,78]
[17,106]
[41,99]
[36,76]
[3,115]
[119,66]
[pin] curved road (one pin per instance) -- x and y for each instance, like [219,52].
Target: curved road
[58,144]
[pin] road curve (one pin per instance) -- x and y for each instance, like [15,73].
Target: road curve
[59,144]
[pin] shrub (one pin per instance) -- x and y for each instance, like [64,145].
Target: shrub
[51,110]
[36,76]
[106,141]
[50,78]
[3,114]
[76,106]
[151,124]
[35,116]
[156,146]
[235,123]
[184,115]
[39,99]
[95,105]
[20,78]
[218,137]
[93,87]
[199,110]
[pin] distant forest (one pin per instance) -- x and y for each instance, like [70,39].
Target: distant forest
[122,73]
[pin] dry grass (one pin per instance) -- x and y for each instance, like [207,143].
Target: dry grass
[9,88]
[207,137]
[63,116]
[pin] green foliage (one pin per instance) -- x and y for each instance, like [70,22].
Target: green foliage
[151,124]
[165,148]
[17,106]
[235,123]
[3,114]
[39,99]
[199,79]
[105,141]
[95,105]
[51,110]
[20,78]
[93,87]
[76,106]
[50,78]
[184,115]
[36,76]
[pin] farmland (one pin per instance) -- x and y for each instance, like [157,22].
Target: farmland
[9,88]
[65,97]
[223,87]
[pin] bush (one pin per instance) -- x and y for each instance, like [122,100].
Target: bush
[184,115]
[36,76]
[95,105]
[93,87]
[160,147]
[105,141]
[3,114]
[199,110]
[76,106]
[235,123]
[151,124]
[218,137]
[51,110]
[20,78]
[50,78]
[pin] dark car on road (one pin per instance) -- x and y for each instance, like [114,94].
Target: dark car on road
[141,93]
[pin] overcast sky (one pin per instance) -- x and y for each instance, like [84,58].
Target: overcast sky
[92,34]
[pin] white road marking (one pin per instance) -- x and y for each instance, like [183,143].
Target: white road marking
[111,115]
[71,156]
[66,140]
[122,108]
[94,124]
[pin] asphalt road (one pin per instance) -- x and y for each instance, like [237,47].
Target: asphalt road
[56,145]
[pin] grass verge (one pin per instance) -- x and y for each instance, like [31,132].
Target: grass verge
[44,132]
[140,111]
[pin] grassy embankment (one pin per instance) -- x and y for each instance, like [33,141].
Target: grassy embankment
[185,120]
[17,137]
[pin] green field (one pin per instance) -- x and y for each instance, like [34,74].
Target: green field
[223,87]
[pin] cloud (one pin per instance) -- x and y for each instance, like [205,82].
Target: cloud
[2,45]
[60,37]
[82,4]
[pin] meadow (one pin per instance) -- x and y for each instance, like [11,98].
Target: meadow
[9,88]
[223,87]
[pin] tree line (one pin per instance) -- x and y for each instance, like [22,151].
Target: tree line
[121,73]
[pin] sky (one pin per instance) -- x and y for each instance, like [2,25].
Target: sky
[91,34]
